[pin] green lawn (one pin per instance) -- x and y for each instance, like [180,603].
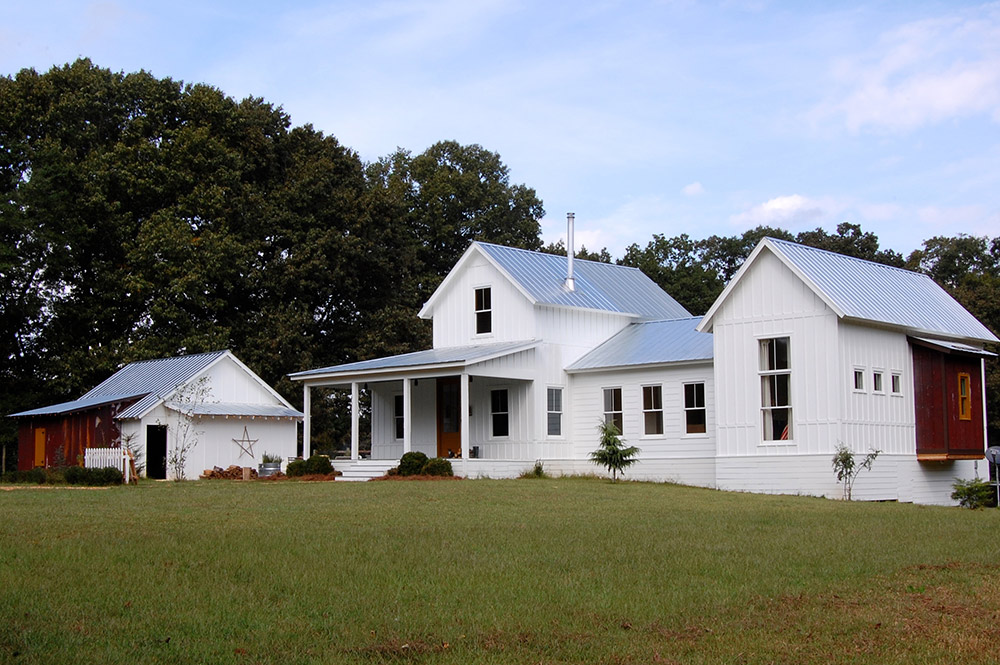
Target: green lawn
[525,571]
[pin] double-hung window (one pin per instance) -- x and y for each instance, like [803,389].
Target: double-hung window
[775,389]
[397,415]
[652,410]
[613,407]
[554,411]
[484,311]
[694,408]
[499,413]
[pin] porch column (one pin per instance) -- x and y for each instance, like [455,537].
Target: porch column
[407,412]
[354,420]
[306,420]
[464,415]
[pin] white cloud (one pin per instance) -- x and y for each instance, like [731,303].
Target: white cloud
[922,73]
[694,189]
[792,210]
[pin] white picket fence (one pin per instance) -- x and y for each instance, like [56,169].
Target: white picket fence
[98,458]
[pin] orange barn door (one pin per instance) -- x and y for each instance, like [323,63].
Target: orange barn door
[39,446]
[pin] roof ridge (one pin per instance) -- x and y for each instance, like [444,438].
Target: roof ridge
[847,256]
[185,356]
[680,318]
[558,256]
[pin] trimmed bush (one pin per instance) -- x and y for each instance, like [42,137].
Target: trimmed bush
[437,466]
[315,465]
[71,475]
[974,493]
[412,463]
[36,476]
[74,475]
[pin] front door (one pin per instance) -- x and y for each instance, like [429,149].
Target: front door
[449,417]
[39,446]
[156,452]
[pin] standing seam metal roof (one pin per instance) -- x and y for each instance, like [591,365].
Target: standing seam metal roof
[599,286]
[883,294]
[650,343]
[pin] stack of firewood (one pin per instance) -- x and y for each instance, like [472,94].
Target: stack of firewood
[232,473]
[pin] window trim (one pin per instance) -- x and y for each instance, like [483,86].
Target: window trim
[495,413]
[549,412]
[896,384]
[964,399]
[487,309]
[763,374]
[859,377]
[620,412]
[878,381]
[656,390]
[703,408]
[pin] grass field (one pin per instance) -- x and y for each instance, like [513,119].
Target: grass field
[525,571]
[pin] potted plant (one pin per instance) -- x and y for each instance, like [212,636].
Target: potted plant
[269,465]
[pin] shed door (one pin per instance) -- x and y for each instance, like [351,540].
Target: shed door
[156,452]
[39,446]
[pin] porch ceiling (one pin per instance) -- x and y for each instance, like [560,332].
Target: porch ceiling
[420,363]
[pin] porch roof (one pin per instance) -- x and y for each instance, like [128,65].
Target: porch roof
[447,357]
[650,343]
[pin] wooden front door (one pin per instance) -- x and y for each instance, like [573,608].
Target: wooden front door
[449,417]
[39,446]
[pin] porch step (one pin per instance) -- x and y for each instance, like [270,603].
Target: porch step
[363,470]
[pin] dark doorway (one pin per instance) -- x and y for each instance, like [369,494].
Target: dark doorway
[156,452]
[449,417]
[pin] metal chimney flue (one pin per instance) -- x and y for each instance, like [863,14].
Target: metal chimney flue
[570,250]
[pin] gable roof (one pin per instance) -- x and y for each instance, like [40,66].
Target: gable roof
[650,343]
[148,382]
[599,286]
[866,291]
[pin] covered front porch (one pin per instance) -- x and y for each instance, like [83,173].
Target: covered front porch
[463,403]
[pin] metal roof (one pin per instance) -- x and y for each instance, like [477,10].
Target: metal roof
[953,346]
[150,380]
[598,286]
[874,292]
[650,343]
[241,409]
[456,355]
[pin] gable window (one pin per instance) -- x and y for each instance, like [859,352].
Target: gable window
[554,410]
[775,389]
[499,413]
[484,311]
[694,408]
[613,407]
[964,397]
[652,410]
[397,415]
[897,384]
[877,382]
[859,380]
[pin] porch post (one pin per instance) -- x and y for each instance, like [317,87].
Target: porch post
[306,420]
[464,409]
[354,420]
[407,411]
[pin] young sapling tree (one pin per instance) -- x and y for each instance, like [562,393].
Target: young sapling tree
[847,469]
[613,454]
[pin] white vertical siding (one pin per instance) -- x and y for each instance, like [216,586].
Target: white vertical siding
[455,312]
[770,301]
[228,382]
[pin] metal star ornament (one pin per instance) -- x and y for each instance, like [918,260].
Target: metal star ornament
[246,443]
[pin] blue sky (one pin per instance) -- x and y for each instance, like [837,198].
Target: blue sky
[670,116]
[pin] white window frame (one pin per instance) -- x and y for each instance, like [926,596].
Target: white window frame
[549,412]
[703,408]
[655,390]
[771,377]
[609,415]
[896,384]
[487,309]
[878,381]
[495,413]
[856,376]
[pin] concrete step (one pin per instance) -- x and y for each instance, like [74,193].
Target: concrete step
[363,470]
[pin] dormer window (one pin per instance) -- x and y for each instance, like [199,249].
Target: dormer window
[484,311]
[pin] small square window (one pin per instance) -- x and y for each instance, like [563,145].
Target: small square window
[859,380]
[877,382]
[897,384]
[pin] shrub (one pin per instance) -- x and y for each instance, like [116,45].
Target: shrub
[537,471]
[296,468]
[974,493]
[315,465]
[412,463]
[36,476]
[74,475]
[268,458]
[437,466]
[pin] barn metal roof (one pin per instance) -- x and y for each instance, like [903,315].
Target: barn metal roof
[149,380]
[240,409]
[650,343]
[598,286]
[455,355]
[874,292]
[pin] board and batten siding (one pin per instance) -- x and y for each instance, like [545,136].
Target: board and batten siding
[228,382]
[674,455]
[770,301]
[455,313]
[385,445]
[873,420]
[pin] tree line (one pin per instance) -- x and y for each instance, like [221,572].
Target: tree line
[143,217]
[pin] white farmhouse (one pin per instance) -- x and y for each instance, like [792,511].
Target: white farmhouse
[533,351]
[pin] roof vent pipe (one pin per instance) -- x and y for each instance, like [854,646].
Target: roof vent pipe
[570,250]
